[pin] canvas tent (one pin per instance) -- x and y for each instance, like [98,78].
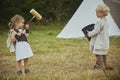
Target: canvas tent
[114,10]
[86,15]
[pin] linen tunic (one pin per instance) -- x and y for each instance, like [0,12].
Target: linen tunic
[99,43]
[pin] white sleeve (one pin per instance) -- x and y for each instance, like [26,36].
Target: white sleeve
[24,31]
[97,28]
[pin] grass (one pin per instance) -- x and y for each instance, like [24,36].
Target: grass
[58,59]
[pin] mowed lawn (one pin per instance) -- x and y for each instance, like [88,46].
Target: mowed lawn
[58,59]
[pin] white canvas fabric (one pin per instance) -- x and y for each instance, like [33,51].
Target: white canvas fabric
[85,15]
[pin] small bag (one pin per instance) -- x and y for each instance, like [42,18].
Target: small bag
[88,28]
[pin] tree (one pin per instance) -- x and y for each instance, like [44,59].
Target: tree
[51,10]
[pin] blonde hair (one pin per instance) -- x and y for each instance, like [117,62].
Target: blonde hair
[103,8]
[15,19]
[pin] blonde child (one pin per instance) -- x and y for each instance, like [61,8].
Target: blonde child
[99,43]
[19,35]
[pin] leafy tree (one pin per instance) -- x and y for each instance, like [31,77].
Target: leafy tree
[51,10]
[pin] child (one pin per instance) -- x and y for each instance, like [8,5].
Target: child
[19,36]
[99,43]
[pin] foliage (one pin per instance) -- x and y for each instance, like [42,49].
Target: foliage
[51,10]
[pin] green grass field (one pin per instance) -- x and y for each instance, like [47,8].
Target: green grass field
[58,59]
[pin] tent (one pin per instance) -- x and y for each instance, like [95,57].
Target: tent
[86,15]
[114,10]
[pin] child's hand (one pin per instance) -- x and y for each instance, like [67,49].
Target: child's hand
[19,34]
[87,31]
[27,26]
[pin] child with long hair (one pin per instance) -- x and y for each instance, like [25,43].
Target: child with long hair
[19,34]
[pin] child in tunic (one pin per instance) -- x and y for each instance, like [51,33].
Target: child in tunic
[19,36]
[99,43]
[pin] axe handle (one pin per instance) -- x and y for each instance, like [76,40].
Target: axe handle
[31,20]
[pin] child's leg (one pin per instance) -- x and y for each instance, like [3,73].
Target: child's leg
[18,64]
[105,60]
[26,63]
[105,63]
[98,64]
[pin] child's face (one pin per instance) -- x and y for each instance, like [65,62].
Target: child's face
[100,14]
[20,24]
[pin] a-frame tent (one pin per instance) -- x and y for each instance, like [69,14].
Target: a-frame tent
[85,15]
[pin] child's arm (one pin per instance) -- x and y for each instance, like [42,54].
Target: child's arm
[27,30]
[13,39]
[96,31]
[15,36]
